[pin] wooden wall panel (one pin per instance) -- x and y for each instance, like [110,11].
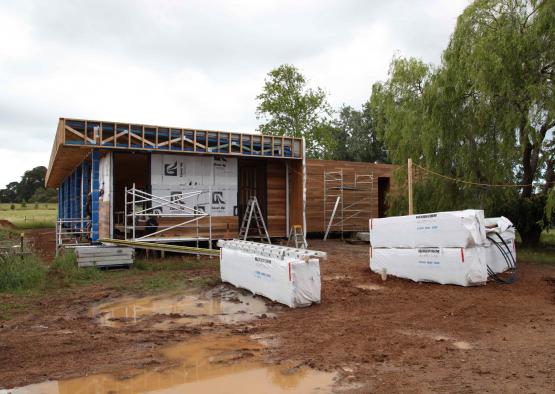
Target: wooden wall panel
[224,227]
[296,187]
[104,219]
[316,220]
[276,198]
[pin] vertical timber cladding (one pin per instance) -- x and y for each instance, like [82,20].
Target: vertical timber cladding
[315,170]
[296,192]
[276,199]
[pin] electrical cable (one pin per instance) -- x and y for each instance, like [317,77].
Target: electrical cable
[509,259]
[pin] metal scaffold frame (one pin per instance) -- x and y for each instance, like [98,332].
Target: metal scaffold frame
[72,232]
[140,205]
[346,200]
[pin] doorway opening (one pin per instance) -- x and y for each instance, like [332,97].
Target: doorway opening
[252,182]
[383,190]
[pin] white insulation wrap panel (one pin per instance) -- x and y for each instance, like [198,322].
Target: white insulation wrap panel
[457,266]
[442,229]
[275,272]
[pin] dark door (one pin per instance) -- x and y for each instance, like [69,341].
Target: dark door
[252,182]
[383,189]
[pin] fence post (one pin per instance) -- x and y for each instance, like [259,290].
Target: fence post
[22,235]
[409,174]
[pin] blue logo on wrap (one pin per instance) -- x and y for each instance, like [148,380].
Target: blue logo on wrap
[262,276]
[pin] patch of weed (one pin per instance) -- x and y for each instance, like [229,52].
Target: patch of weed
[64,271]
[21,273]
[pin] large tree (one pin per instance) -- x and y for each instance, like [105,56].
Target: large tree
[353,137]
[29,189]
[486,115]
[287,106]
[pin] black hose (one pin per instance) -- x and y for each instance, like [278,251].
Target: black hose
[509,259]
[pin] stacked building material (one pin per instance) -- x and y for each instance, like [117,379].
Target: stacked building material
[286,275]
[442,247]
[104,256]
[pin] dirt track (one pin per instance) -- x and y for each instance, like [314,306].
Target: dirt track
[396,336]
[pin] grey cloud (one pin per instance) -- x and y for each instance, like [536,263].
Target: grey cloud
[202,34]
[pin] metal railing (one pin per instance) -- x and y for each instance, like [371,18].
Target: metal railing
[71,232]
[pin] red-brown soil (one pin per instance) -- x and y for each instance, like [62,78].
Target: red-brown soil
[43,241]
[6,224]
[393,336]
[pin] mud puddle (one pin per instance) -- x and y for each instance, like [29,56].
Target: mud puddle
[207,364]
[222,304]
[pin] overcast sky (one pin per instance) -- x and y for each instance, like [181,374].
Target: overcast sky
[191,63]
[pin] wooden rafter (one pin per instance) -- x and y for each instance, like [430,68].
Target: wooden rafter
[115,136]
[73,134]
[77,133]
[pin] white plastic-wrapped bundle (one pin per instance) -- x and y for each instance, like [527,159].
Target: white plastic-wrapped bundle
[442,229]
[457,266]
[501,246]
[286,275]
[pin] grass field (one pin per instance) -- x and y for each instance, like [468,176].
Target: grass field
[31,215]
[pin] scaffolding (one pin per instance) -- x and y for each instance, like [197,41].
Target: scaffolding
[347,201]
[72,232]
[142,211]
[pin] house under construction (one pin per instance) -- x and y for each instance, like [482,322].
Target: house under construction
[167,184]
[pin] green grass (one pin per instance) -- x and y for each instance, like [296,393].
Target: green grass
[6,234]
[544,253]
[540,255]
[21,273]
[548,238]
[30,216]
[64,272]
[29,206]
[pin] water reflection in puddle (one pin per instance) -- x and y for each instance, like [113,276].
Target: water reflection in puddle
[208,364]
[224,305]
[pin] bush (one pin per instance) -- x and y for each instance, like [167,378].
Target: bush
[12,207]
[17,273]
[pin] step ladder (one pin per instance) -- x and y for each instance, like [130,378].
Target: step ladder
[296,234]
[253,212]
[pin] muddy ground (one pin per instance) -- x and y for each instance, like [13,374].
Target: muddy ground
[393,336]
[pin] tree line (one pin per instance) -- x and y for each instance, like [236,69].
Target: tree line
[484,117]
[29,189]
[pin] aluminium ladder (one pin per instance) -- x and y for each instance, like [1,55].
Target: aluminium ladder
[297,236]
[253,212]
